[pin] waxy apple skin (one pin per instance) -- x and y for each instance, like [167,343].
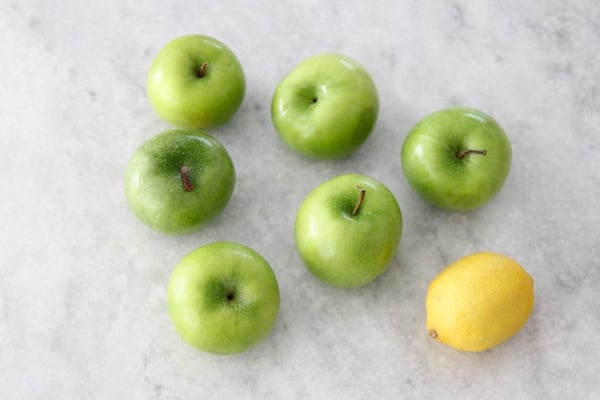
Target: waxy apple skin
[326,107]
[162,197]
[342,249]
[434,169]
[223,298]
[189,95]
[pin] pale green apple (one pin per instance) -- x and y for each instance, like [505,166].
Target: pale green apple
[179,180]
[326,107]
[223,298]
[457,158]
[196,81]
[348,230]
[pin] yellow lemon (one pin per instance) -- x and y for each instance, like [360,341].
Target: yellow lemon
[479,301]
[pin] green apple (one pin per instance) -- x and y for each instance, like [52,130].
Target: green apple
[195,81]
[348,230]
[457,158]
[223,298]
[179,180]
[326,107]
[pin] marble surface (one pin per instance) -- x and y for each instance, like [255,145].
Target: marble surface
[82,291]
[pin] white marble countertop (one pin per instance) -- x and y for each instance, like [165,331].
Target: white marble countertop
[83,284]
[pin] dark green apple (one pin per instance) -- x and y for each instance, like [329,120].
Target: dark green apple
[326,107]
[196,81]
[223,298]
[179,180]
[457,158]
[348,230]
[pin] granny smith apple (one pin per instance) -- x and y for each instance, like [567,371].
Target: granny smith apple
[326,107]
[457,158]
[348,230]
[223,298]
[195,81]
[179,180]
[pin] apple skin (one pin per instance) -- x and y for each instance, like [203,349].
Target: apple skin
[326,107]
[342,249]
[156,188]
[433,168]
[184,99]
[223,298]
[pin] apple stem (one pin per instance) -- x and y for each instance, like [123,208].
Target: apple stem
[201,72]
[187,185]
[361,197]
[461,154]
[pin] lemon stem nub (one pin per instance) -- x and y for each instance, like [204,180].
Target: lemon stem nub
[433,334]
